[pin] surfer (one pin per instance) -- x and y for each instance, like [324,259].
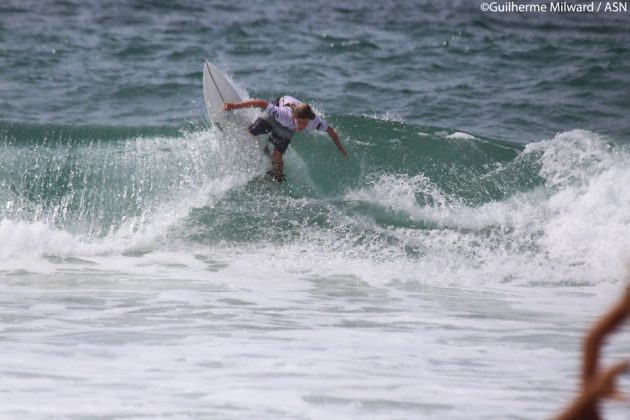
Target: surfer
[282,118]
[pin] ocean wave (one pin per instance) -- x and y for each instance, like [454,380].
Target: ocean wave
[424,198]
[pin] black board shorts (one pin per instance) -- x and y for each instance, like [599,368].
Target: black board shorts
[261,126]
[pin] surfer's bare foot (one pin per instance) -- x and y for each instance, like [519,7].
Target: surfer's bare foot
[276,177]
[228,106]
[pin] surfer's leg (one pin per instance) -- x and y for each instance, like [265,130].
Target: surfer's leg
[280,145]
[277,166]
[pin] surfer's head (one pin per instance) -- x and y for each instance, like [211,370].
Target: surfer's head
[302,114]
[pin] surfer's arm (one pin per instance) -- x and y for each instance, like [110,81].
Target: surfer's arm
[253,103]
[335,138]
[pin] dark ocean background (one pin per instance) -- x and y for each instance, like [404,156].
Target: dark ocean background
[519,77]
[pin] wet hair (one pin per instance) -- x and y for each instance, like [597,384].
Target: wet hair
[303,111]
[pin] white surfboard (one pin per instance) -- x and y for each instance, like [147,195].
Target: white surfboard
[217,89]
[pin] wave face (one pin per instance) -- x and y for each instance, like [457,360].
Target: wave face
[412,203]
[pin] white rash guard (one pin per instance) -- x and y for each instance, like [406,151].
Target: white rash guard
[284,115]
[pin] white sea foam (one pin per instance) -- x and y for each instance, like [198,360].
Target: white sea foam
[150,185]
[575,228]
[460,136]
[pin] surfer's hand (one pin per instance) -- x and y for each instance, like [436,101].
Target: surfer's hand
[227,106]
[604,384]
[585,405]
